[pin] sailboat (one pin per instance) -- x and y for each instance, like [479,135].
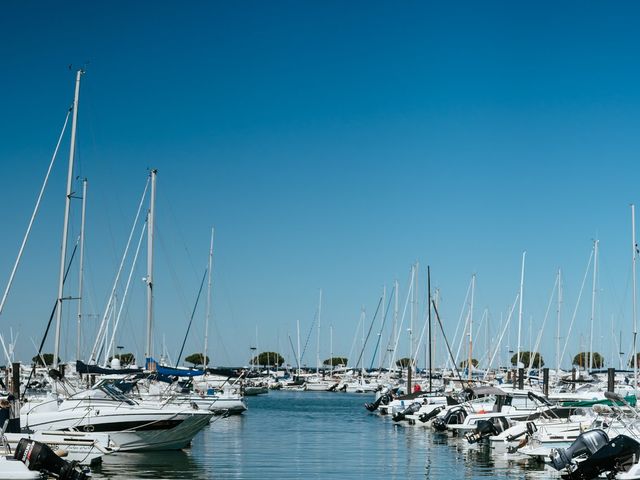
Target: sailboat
[132,425]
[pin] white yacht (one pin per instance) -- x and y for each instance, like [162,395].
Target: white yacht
[132,426]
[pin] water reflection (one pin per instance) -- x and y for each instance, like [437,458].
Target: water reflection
[305,435]
[163,465]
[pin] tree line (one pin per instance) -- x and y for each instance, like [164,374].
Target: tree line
[274,359]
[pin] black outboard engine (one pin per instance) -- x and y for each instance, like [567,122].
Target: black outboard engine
[588,442]
[526,434]
[487,428]
[384,399]
[616,456]
[455,416]
[411,409]
[425,417]
[38,456]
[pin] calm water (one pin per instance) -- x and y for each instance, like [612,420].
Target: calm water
[304,435]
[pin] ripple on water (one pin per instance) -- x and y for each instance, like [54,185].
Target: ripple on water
[317,435]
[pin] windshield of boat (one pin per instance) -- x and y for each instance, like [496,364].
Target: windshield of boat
[114,393]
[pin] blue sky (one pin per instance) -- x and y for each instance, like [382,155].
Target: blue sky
[331,144]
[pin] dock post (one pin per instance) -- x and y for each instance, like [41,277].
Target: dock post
[573,379]
[545,381]
[521,379]
[14,417]
[611,378]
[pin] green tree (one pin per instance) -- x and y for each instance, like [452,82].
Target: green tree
[335,361]
[196,359]
[48,359]
[404,362]
[125,358]
[474,362]
[270,359]
[525,358]
[583,360]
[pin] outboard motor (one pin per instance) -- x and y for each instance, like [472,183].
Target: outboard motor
[384,399]
[411,409]
[588,442]
[526,433]
[38,456]
[487,428]
[425,417]
[455,416]
[616,456]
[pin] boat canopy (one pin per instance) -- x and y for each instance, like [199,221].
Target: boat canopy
[172,371]
[84,368]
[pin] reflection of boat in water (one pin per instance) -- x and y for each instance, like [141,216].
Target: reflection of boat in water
[167,464]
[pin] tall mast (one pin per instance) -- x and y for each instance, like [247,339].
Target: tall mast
[413,300]
[520,308]
[318,345]
[559,306]
[331,347]
[395,322]
[81,273]
[470,360]
[65,229]
[150,226]
[205,360]
[429,320]
[634,255]
[298,334]
[593,301]
[363,315]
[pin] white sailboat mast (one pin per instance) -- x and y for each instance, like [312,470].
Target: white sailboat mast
[520,308]
[150,226]
[331,347]
[593,301]
[81,272]
[65,229]
[318,345]
[559,306]
[413,299]
[634,255]
[470,360]
[298,335]
[208,316]
[395,323]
